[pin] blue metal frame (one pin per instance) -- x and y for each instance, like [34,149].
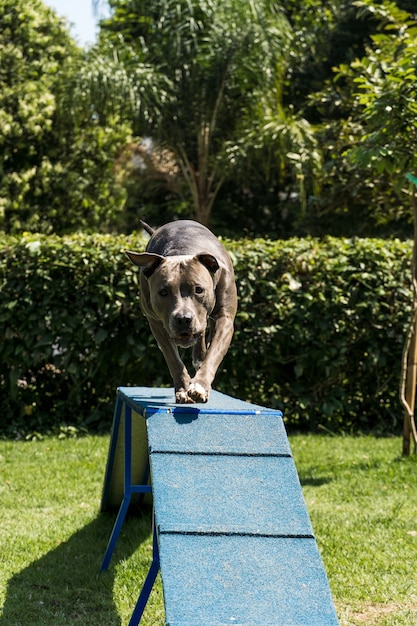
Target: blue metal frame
[112,450]
[129,488]
[149,581]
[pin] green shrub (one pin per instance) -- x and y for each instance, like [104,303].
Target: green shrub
[319,331]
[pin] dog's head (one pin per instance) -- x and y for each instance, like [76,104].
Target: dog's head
[179,291]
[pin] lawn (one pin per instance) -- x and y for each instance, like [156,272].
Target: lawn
[361,496]
[362,500]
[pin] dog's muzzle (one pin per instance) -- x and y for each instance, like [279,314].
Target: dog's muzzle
[182,330]
[185,341]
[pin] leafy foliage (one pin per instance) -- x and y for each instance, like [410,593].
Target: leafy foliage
[206,80]
[33,45]
[386,90]
[56,158]
[319,331]
[241,96]
[340,42]
[323,330]
[368,122]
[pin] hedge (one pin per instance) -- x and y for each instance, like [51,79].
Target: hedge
[319,331]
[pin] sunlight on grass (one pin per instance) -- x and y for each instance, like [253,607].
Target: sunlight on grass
[362,500]
[361,496]
[53,539]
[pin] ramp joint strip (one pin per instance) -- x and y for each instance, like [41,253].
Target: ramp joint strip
[225,533]
[277,455]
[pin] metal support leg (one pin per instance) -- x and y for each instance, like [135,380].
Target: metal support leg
[149,582]
[112,452]
[128,487]
[115,533]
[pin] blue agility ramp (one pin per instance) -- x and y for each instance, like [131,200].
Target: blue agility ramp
[232,536]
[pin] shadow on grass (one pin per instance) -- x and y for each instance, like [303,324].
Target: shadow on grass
[313,482]
[65,586]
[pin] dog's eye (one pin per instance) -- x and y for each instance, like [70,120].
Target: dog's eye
[199,289]
[163,292]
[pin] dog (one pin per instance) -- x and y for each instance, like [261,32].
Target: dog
[189,296]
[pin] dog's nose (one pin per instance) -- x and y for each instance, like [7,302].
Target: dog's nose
[183,320]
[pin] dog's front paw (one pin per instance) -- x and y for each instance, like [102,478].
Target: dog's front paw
[182,397]
[198,393]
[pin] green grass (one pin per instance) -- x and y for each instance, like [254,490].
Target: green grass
[361,496]
[52,539]
[362,500]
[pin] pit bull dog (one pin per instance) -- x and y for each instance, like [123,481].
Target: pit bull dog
[188,294]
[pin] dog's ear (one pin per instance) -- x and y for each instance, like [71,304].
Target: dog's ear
[210,262]
[148,261]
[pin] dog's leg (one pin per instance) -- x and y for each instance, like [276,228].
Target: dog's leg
[222,333]
[176,367]
[199,352]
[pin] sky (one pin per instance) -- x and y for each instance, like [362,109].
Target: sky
[80,14]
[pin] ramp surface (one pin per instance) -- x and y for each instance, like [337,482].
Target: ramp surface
[235,541]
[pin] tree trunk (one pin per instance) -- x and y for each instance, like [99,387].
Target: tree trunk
[409,376]
[410,393]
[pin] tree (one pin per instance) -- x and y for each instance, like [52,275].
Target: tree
[33,46]
[56,158]
[386,79]
[201,73]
